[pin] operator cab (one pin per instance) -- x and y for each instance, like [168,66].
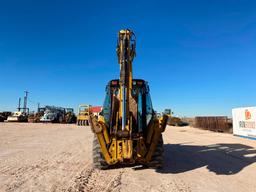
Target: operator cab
[141,108]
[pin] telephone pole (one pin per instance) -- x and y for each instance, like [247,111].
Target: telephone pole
[25,101]
[38,106]
[19,104]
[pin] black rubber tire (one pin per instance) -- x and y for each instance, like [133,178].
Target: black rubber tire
[60,119]
[98,159]
[157,160]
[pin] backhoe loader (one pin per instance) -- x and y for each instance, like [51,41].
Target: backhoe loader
[127,131]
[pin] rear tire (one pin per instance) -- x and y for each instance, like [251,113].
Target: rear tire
[98,159]
[157,159]
[60,119]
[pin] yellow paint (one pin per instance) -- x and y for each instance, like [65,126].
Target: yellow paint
[117,150]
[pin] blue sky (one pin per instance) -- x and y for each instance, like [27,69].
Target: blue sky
[199,57]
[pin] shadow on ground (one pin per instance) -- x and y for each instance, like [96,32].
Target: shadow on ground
[222,159]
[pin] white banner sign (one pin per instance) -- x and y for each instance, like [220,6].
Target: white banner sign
[244,121]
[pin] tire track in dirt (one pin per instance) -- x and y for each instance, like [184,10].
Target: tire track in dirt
[115,183]
[82,180]
[73,169]
[95,180]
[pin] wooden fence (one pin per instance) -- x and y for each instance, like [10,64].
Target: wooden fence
[214,123]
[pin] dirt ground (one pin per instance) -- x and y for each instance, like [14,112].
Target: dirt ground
[56,157]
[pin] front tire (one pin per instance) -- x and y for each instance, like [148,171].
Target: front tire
[98,159]
[157,159]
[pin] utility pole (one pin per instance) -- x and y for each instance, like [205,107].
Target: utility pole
[38,106]
[25,101]
[19,104]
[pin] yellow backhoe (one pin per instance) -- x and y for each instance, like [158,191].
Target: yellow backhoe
[127,130]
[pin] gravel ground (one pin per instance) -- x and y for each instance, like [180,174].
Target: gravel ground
[57,157]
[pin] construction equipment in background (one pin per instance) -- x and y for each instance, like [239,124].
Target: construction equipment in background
[70,116]
[1,118]
[127,130]
[18,116]
[22,114]
[4,115]
[83,114]
[175,121]
[53,114]
[168,112]
[172,120]
[35,117]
